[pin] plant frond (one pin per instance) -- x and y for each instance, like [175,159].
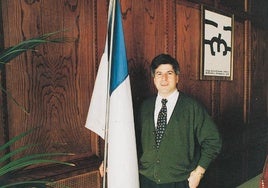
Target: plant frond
[14,100]
[16,138]
[10,53]
[22,162]
[11,154]
[37,183]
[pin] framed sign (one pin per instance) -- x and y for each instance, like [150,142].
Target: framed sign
[217,30]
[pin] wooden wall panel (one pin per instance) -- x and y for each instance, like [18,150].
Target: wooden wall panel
[153,34]
[55,82]
[230,118]
[3,137]
[259,68]
[140,42]
[188,53]
[12,16]
[232,92]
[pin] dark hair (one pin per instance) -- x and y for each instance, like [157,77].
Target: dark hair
[164,59]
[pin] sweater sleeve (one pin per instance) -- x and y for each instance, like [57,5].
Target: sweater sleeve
[208,138]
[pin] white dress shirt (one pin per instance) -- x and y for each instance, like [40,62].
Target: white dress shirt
[172,100]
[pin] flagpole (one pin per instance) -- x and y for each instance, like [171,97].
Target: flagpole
[107,114]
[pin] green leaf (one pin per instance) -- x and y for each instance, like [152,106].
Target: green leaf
[32,159]
[14,100]
[16,138]
[17,164]
[10,53]
[28,183]
[10,154]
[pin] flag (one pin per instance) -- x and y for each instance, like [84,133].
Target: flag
[116,110]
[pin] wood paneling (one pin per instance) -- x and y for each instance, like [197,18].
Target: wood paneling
[188,54]
[149,30]
[84,172]
[55,82]
[232,92]
[259,69]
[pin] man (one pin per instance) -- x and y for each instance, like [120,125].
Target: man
[177,149]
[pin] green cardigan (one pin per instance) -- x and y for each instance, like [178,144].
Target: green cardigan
[191,138]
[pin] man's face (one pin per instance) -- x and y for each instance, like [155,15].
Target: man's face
[165,80]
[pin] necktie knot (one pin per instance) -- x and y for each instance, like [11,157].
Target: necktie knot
[164,101]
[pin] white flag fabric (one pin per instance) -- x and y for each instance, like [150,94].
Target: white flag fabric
[122,161]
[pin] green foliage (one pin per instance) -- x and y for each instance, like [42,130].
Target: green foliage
[20,163]
[7,163]
[10,53]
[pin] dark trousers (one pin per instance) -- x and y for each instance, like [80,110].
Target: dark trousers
[146,183]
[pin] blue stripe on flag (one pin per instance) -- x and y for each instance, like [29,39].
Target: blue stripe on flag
[119,67]
[113,118]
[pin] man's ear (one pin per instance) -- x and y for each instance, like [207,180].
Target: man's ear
[178,78]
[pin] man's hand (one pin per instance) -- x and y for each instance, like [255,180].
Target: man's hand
[101,170]
[195,177]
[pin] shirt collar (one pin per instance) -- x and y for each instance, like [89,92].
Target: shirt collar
[170,97]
